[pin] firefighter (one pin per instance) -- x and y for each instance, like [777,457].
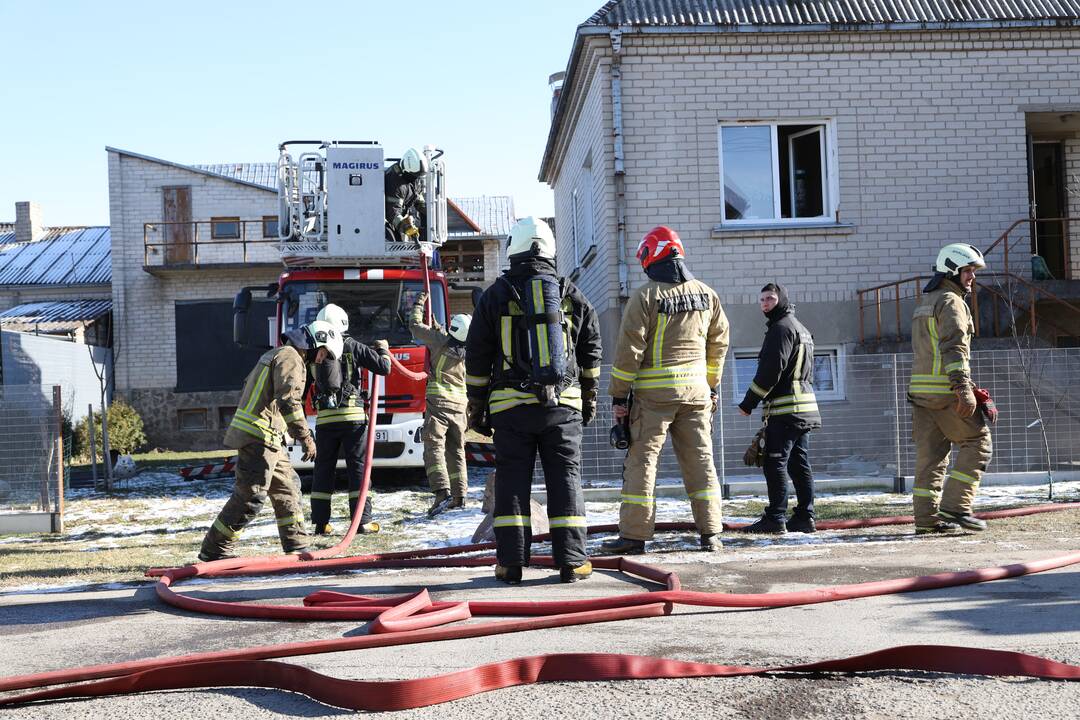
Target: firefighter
[445,422]
[406,208]
[670,353]
[341,421]
[533,363]
[784,381]
[272,402]
[942,397]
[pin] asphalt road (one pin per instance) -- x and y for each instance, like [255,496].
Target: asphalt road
[1038,614]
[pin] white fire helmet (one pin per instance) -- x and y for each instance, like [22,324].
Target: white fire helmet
[323,334]
[955,256]
[531,234]
[336,316]
[413,162]
[459,327]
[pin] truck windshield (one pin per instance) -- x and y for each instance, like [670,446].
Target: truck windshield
[378,309]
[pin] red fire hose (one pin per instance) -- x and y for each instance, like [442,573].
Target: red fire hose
[415,618]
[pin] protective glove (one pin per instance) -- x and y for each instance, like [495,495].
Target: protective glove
[714,398]
[409,227]
[308,443]
[986,405]
[619,407]
[588,411]
[965,401]
[476,413]
[382,346]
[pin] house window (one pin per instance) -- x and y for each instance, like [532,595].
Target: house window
[581,230]
[462,261]
[225,415]
[191,419]
[225,228]
[828,373]
[778,172]
[270,226]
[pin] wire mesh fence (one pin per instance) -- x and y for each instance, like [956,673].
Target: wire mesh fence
[866,429]
[31,453]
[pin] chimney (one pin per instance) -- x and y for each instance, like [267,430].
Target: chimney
[555,82]
[28,224]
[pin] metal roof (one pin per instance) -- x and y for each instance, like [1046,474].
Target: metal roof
[75,312]
[65,256]
[681,13]
[264,173]
[493,213]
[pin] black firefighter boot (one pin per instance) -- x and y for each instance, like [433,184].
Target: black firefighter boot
[623,546]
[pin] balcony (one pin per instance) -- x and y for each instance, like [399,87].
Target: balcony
[219,243]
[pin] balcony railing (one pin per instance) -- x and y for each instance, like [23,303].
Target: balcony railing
[195,244]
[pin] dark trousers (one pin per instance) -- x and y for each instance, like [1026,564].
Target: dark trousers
[555,433]
[786,456]
[331,441]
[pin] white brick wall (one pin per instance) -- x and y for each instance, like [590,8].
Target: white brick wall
[930,134]
[143,304]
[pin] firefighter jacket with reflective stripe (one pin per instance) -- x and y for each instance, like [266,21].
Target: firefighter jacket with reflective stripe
[785,375]
[494,369]
[272,401]
[941,333]
[446,359]
[338,398]
[672,343]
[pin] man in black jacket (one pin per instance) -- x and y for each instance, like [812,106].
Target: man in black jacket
[785,382]
[406,207]
[529,418]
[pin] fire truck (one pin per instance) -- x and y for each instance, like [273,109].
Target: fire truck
[337,247]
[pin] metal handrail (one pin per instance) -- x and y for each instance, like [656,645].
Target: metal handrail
[191,247]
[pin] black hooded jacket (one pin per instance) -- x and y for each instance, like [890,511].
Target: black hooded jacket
[785,373]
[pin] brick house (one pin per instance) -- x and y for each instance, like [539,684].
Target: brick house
[831,147]
[185,239]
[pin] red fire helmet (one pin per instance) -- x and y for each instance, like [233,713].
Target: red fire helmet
[658,244]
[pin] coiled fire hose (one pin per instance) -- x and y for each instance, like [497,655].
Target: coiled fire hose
[415,618]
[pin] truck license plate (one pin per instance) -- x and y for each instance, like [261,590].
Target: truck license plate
[381,436]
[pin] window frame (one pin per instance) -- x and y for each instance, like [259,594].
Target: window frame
[181,413]
[267,219]
[215,234]
[839,393]
[830,186]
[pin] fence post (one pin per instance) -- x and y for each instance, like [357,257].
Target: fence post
[58,515]
[898,478]
[93,443]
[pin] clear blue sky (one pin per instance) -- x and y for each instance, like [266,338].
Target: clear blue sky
[207,82]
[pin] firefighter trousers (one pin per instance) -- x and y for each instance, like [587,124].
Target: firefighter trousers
[334,440]
[261,471]
[786,457]
[934,433]
[690,426]
[444,447]
[521,433]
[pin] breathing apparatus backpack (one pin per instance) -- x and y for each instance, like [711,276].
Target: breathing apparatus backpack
[539,337]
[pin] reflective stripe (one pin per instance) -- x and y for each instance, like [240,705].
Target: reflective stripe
[958,365]
[796,384]
[936,367]
[507,344]
[706,494]
[924,492]
[448,391]
[511,521]
[288,520]
[756,389]
[506,398]
[541,329]
[477,380]
[567,521]
[293,417]
[670,377]
[637,499]
[963,477]
[622,374]
[930,379]
[354,494]
[320,496]
[257,390]
[345,414]
[591,372]
[226,530]
[791,404]
[242,425]
[929,390]
[658,340]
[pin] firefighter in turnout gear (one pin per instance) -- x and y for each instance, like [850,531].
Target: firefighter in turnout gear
[533,365]
[272,403]
[670,353]
[445,421]
[341,421]
[784,381]
[406,208]
[941,393]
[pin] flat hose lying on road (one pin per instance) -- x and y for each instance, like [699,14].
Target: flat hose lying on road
[415,618]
